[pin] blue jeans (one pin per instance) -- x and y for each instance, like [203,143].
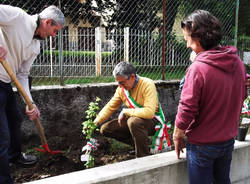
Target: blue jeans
[10,131]
[209,164]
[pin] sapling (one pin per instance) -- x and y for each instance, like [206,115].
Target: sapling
[89,126]
[88,129]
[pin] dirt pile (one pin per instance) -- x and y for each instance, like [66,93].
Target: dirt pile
[53,165]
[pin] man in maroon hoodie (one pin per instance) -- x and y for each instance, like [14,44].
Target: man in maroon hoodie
[211,101]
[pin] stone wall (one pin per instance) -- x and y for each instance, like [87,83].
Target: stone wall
[63,108]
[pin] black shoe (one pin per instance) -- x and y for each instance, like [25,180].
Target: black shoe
[25,160]
[132,152]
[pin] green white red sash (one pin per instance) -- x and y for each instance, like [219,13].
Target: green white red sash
[161,139]
[246,107]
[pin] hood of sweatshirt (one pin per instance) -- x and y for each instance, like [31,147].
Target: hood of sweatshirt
[223,58]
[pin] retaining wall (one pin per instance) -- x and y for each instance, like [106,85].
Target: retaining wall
[163,168]
[65,106]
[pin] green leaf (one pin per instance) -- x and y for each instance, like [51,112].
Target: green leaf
[88,126]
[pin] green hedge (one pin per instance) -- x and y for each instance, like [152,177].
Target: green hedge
[77,53]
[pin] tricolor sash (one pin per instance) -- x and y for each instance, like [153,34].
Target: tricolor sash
[161,139]
[246,107]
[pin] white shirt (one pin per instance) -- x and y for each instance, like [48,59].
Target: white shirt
[17,29]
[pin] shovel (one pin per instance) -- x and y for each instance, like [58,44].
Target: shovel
[30,105]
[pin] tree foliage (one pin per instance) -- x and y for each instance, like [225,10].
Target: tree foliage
[140,14]
[244,17]
[72,9]
[224,10]
[143,14]
[137,14]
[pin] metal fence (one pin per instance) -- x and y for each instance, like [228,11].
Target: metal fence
[144,51]
[100,34]
[243,46]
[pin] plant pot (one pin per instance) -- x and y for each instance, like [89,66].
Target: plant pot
[242,133]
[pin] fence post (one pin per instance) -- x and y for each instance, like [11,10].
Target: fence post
[126,44]
[60,55]
[163,38]
[236,22]
[98,47]
[51,54]
[60,49]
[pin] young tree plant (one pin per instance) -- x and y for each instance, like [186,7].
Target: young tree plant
[89,127]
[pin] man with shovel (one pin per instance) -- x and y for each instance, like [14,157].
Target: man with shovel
[20,35]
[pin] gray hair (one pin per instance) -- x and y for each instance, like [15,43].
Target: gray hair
[124,69]
[54,13]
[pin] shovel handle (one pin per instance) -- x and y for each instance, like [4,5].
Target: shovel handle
[26,98]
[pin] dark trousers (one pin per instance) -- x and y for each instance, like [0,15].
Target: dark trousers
[134,131]
[10,131]
[210,163]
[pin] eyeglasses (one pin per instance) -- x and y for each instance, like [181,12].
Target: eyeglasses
[123,82]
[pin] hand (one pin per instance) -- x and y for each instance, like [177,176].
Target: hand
[179,142]
[121,117]
[33,113]
[3,53]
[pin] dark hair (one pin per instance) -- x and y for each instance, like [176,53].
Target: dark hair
[205,27]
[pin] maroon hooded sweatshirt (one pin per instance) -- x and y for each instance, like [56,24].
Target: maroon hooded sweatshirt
[212,96]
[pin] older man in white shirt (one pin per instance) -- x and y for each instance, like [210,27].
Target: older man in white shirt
[19,46]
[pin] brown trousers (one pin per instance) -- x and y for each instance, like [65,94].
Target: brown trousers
[134,131]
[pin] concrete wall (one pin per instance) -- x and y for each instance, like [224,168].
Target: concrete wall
[162,168]
[63,108]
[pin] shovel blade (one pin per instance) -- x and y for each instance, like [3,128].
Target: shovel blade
[46,149]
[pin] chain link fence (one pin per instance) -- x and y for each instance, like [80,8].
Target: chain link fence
[99,34]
